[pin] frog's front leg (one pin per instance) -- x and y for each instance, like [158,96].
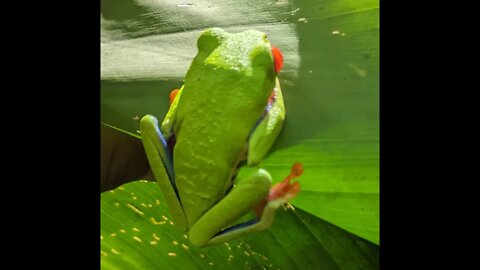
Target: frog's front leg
[254,193]
[268,128]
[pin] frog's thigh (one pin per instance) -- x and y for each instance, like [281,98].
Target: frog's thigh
[247,194]
[158,157]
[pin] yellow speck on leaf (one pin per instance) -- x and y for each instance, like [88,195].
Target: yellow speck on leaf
[360,72]
[135,209]
[137,239]
[156,222]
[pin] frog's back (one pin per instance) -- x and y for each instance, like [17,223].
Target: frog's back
[216,115]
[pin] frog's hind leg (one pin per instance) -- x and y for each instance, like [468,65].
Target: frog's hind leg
[254,193]
[161,164]
[212,227]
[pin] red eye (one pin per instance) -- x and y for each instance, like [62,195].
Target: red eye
[277,58]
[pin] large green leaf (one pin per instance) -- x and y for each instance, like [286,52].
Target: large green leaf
[137,233]
[330,84]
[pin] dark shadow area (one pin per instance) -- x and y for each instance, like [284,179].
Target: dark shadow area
[122,159]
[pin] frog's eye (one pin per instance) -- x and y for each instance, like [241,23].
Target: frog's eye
[277,58]
[210,39]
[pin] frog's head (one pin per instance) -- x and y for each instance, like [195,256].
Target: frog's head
[246,60]
[252,44]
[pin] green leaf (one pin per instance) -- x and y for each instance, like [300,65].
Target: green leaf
[137,233]
[330,84]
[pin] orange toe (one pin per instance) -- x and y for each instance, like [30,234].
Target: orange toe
[284,189]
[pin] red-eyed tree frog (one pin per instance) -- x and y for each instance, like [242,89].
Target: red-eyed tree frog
[228,112]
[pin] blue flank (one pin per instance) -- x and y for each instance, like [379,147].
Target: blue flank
[168,164]
[239,226]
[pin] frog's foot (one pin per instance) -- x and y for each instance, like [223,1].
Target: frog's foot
[286,190]
[281,192]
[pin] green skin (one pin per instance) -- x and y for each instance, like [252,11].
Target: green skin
[225,92]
